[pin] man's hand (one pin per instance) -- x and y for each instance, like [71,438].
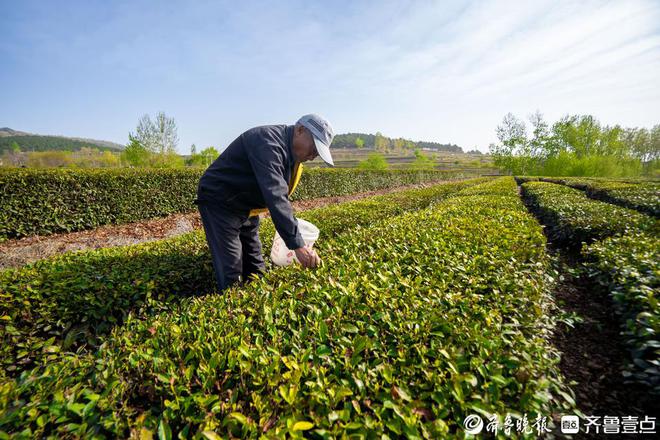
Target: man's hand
[307,257]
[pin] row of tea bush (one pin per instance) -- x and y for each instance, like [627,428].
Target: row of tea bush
[47,201]
[411,324]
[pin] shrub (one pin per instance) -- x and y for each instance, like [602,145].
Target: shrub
[68,300]
[570,164]
[410,325]
[374,161]
[48,201]
[641,196]
[572,218]
[628,267]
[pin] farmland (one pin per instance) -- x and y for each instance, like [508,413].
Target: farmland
[443,160]
[49,201]
[431,305]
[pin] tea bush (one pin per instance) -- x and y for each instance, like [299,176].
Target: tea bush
[326,182]
[410,325]
[642,196]
[47,201]
[628,267]
[524,179]
[572,218]
[624,259]
[65,301]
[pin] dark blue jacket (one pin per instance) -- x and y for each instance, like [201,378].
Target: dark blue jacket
[253,172]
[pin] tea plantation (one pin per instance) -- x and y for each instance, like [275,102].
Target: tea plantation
[48,201]
[431,305]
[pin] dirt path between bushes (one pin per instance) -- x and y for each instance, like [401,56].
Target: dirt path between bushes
[15,253]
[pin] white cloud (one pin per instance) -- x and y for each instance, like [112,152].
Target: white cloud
[545,55]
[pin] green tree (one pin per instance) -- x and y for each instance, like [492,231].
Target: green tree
[374,161]
[653,150]
[381,143]
[194,159]
[110,159]
[643,143]
[576,145]
[197,161]
[204,158]
[422,162]
[209,154]
[359,142]
[584,136]
[158,136]
[167,160]
[540,143]
[135,154]
[579,134]
[512,135]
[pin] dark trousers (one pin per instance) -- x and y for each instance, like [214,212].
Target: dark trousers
[234,243]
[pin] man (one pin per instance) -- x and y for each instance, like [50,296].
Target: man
[257,172]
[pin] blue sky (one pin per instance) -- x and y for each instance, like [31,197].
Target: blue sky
[439,71]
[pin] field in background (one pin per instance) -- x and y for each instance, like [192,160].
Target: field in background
[445,160]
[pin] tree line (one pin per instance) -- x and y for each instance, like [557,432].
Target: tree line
[46,143]
[154,141]
[152,144]
[575,145]
[385,144]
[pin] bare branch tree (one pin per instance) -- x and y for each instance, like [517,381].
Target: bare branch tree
[158,137]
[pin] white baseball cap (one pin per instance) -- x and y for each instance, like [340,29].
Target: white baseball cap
[322,133]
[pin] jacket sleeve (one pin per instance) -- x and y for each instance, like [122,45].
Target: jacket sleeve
[268,162]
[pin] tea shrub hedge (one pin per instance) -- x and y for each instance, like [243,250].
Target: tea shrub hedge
[624,260]
[524,179]
[572,218]
[628,266]
[326,182]
[410,325]
[47,201]
[642,196]
[66,301]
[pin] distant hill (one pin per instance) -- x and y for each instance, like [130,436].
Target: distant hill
[6,131]
[35,142]
[348,140]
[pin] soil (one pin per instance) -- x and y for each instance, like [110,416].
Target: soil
[18,252]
